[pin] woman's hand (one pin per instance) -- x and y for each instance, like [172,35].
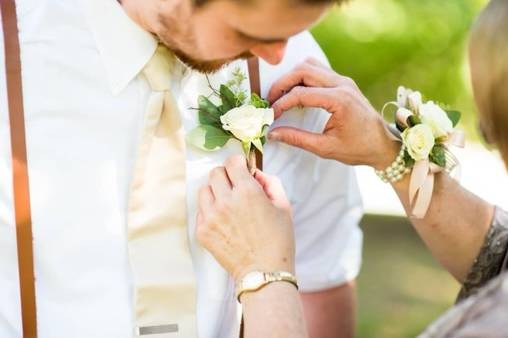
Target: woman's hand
[246,222]
[355,134]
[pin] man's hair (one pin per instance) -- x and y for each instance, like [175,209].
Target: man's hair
[310,2]
[489,59]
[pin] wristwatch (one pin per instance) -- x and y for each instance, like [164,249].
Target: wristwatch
[256,280]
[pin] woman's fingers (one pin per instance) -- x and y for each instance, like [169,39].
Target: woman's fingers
[273,189]
[317,63]
[246,231]
[219,183]
[306,74]
[313,142]
[306,97]
[238,173]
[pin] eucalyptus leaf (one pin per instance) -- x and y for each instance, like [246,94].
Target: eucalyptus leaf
[409,162]
[438,155]
[454,116]
[241,96]
[258,102]
[228,98]
[208,138]
[209,113]
[413,120]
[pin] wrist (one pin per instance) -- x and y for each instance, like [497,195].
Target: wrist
[284,265]
[272,291]
[386,153]
[384,146]
[258,280]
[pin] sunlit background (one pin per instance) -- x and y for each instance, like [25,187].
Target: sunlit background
[422,45]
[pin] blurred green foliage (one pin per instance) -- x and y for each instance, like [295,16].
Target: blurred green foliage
[419,44]
[401,288]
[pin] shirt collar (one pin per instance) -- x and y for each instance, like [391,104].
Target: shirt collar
[125,47]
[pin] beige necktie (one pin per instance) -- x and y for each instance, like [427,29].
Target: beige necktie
[165,287]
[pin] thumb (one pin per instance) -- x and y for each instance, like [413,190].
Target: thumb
[298,138]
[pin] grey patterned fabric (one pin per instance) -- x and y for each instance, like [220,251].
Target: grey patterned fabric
[484,315]
[483,308]
[493,257]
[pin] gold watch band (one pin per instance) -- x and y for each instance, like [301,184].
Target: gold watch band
[256,280]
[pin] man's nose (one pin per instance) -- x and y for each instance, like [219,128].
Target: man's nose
[271,53]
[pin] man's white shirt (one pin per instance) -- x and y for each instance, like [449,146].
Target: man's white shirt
[84,105]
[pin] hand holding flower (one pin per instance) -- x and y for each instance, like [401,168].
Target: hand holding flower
[245,221]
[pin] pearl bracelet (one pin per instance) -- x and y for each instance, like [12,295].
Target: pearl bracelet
[396,171]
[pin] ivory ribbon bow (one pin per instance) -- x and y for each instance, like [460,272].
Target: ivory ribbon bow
[421,185]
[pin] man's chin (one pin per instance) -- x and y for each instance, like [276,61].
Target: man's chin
[208,67]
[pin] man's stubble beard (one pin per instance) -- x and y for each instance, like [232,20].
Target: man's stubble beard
[206,67]
[203,66]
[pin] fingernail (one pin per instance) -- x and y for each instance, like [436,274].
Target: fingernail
[274,136]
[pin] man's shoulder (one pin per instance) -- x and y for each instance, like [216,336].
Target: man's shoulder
[300,47]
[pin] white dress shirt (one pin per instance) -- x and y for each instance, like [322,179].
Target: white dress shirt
[84,105]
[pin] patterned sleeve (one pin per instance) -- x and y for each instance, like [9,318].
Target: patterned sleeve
[492,259]
[482,315]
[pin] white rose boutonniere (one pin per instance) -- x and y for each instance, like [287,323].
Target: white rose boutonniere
[236,117]
[247,123]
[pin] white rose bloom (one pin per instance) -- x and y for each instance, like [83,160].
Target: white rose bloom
[437,119]
[419,141]
[247,122]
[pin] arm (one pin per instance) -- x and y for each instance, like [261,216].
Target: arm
[457,222]
[331,313]
[246,223]
[327,210]
[455,226]
[274,311]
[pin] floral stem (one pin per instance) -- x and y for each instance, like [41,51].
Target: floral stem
[251,161]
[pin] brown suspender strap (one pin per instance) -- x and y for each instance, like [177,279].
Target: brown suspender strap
[255,87]
[255,78]
[19,169]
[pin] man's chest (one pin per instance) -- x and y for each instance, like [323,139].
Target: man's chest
[83,144]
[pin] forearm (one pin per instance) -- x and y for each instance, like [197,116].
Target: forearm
[455,225]
[274,311]
[331,313]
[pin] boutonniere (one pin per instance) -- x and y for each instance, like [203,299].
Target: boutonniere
[230,114]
